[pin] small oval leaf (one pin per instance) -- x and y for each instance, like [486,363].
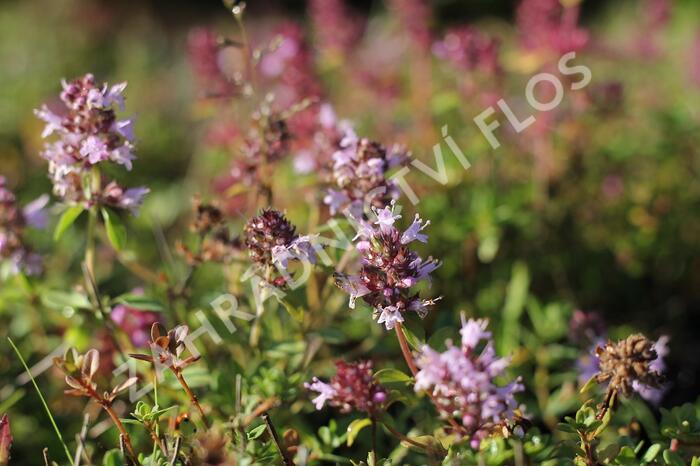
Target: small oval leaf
[69,216]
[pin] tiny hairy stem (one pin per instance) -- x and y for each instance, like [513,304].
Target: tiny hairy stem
[406,439]
[95,182]
[122,431]
[405,349]
[374,438]
[192,396]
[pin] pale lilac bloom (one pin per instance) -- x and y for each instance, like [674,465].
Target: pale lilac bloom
[360,173]
[35,212]
[326,392]
[413,232]
[88,134]
[133,198]
[300,249]
[462,381]
[53,121]
[389,316]
[655,394]
[388,270]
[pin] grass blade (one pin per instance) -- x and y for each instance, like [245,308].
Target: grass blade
[43,402]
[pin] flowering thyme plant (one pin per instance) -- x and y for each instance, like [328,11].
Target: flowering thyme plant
[89,134]
[463,382]
[389,269]
[536,165]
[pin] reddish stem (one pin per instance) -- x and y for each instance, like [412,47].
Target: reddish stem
[414,370]
[405,349]
[191,395]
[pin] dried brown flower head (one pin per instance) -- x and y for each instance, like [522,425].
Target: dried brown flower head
[216,244]
[626,363]
[212,449]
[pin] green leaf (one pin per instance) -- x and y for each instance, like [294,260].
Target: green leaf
[355,427]
[672,458]
[112,458]
[651,453]
[256,432]
[588,385]
[297,313]
[413,341]
[387,376]
[140,302]
[515,303]
[69,216]
[60,300]
[116,231]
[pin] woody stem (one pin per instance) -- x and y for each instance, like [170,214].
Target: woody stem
[192,396]
[127,440]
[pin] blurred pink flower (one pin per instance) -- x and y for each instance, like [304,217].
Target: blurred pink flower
[336,29]
[548,25]
[613,186]
[695,59]
[203,52]
[468,49]
[135,322]
[415,16]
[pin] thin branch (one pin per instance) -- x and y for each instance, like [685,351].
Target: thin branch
[192,396]
[273,433]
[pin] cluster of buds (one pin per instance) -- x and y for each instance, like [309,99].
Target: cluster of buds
[13,220]
[550,26]
[628,366]
[217,244]
[89,134]
[468,49]
[272,243]
[462,383]
[359,176]
[389,269]
[352,387]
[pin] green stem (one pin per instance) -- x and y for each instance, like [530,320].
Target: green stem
[43,402]
[95,182]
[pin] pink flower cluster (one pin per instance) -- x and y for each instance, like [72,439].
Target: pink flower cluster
[547,25]
[469,49]
[335,27]
[352,387]
[360,169]
[89,134]
[389,269]
[462,382]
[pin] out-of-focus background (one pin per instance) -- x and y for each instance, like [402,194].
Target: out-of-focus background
[595,208]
